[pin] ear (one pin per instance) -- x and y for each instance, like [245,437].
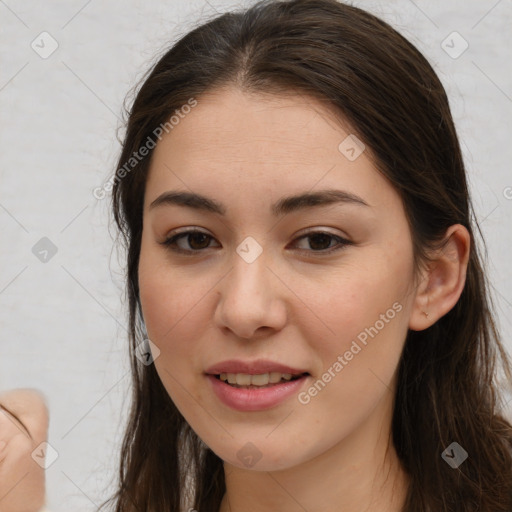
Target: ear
[442,283]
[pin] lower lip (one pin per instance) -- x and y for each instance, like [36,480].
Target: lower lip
[254,399]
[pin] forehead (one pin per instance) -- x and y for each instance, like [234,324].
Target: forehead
[256,144]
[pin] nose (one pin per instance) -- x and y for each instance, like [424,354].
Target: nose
[252,299]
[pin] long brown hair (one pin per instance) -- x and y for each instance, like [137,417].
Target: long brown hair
[361,68]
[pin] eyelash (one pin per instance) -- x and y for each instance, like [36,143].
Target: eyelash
[170,242]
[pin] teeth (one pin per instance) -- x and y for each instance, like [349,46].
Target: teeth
[274,377]
[242,379]
[263,379]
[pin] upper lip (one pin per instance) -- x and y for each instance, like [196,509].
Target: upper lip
[256,367]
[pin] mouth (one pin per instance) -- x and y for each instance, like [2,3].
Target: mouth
[257,381]
[251,392]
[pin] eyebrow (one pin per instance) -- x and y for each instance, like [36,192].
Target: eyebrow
[16,418]
[282,207]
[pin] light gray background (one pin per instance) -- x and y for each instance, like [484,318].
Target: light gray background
[63,324]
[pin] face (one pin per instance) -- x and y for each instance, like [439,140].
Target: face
[319,285]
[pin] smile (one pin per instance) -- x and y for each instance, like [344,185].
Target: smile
[246,380]
[256,397]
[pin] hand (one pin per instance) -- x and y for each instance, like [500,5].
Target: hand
[23,426]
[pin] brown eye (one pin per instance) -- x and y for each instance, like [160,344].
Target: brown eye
[196,241]
[321,242]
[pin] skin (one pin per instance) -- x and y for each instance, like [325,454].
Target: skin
[292,304]
[23,427]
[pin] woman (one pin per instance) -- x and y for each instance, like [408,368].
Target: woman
[310,325]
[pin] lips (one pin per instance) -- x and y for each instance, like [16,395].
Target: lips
[255,398]
[256,367]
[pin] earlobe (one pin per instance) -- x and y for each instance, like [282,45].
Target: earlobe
[443,281]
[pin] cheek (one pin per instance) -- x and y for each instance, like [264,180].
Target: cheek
[357,299]
[364,320]
[174,305]
[164,302]
[168,298]
[172,309]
